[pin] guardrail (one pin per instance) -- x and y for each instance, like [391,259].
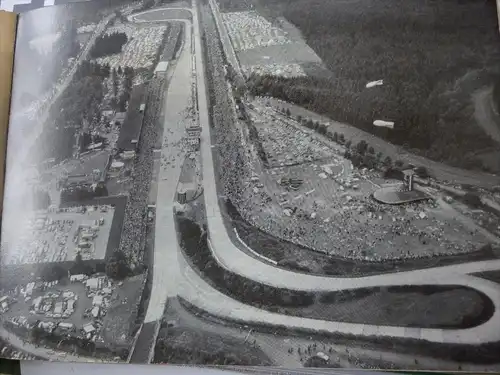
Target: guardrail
[132,349]
[153,344]
[273,262]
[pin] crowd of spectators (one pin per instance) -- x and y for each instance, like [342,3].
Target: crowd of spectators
[231,158]
[359,228]
[363,229]
[133,237]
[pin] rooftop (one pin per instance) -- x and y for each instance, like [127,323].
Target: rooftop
[132,125]
[392,195]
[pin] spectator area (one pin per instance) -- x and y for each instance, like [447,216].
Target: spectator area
[131,128]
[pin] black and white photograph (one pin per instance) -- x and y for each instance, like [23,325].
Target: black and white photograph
[281,183]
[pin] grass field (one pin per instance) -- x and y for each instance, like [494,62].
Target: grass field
[189,347]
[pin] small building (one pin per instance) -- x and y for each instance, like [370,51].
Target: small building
[116,165]
[47,326]
[193,131]
[107,114]
[58,309]
[323,356]
[37,303]
[88,236]
[97,301]
[71,305]
[161,67]
[181,197]
[93,284]
[66,326]
[29,289]
[79,277]
[127,155]
[68,295]
[84,244]
[95,312]
[408,178]
[119,117]
[89,328]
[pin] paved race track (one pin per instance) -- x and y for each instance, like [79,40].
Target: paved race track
[198,292]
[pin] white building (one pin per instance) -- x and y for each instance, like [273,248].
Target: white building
[79,277]
[88,329]
[97,301]
[95,312]
[93,284]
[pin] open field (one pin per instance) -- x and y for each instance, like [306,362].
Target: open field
[393,350]
[403,306]
[180,345]
[122,311]
[490,275]
[287,146]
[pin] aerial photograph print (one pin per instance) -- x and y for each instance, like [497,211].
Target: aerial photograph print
[276,183]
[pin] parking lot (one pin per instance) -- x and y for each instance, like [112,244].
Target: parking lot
[22,307]
[94,307]
[57,236]
[140,49]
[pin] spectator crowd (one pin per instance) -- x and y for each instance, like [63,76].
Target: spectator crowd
[133,237]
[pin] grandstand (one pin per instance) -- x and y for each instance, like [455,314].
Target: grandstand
[130,132]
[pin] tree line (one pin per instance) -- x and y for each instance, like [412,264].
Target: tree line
[429,134]
[79,103]
[166,352]
[116,268]
[193,240]
[122,82]
[109,44]
[427,87]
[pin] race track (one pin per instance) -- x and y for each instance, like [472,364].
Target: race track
[200,293]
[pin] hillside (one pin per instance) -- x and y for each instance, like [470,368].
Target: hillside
[432,55]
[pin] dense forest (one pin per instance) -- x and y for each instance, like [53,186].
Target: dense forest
[79,103]
[431,54]
[108,45]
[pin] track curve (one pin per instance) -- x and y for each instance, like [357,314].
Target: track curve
[200,293]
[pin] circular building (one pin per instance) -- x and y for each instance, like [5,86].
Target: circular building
[398,195]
